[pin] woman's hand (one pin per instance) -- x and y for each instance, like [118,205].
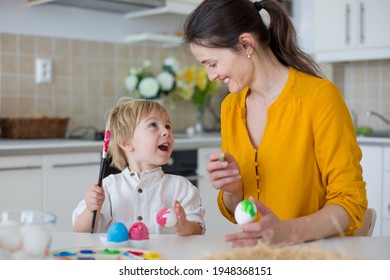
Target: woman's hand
[270,230]
[224,172]
[94,198]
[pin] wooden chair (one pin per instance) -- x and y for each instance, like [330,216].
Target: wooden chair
[369,220]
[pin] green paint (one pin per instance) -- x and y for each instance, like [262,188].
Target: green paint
[248,207]
[111,252]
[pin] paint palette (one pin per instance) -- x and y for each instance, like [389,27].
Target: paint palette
[103,253]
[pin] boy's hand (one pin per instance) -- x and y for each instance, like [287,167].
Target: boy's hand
[94,198]
[181,218]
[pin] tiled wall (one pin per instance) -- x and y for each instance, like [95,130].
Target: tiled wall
[88,78]
[365,86]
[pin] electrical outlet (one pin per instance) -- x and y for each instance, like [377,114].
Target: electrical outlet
[43,71]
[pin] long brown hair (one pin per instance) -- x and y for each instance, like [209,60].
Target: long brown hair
[219,24]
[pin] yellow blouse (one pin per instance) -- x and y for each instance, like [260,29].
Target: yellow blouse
[308,156]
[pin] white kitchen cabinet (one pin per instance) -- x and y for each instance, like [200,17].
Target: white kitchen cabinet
[215,222]
[65,181]
[50,182]
[386,193]
[164,22]
[21,182]
[372,174]
[346,30]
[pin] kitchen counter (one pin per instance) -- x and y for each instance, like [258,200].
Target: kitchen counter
[374,140]
[10,147]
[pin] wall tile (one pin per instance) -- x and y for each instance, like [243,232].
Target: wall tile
[44,46]
[88,78]
[8,43]
[9,106]
[26,44]
[366,86]
[27,87]
[62,47]
[8,64]
[26,64]
[9,85]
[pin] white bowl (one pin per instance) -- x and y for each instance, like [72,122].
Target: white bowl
[25,234]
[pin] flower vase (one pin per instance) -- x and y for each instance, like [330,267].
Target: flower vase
[199,128]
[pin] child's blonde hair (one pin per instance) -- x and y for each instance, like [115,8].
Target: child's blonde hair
[122,121]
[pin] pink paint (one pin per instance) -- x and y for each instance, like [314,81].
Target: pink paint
[139,231]
[106,142]
[166,218]
[161,219]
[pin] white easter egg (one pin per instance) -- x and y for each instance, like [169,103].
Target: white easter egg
[245,212]
[166,218]
[35,240]
[10,237]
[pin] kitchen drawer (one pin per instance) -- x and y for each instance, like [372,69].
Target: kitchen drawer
[65,181]
[386,196]
[386,163]
[58,161]
[20,162]
[385,228]
[21,182]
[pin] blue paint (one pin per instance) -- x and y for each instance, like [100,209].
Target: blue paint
[86,251]
[64,254]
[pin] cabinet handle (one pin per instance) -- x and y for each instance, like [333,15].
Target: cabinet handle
[362,12]
[21,168]
[74,164]
[347,23]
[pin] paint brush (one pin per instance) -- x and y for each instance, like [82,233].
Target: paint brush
[106,142]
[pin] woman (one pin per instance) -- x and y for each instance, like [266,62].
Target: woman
[288,140]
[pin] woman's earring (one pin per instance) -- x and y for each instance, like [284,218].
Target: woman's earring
[249,56]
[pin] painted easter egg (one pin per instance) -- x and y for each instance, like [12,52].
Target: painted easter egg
[166,218]
[117,232]
[245,212]
[138,235]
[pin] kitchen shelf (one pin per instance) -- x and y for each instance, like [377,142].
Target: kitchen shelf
[154,40]
[170,15]
[175,8]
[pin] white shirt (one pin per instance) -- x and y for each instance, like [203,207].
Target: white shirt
[130,199]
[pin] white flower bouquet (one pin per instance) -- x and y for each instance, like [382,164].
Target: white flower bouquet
[189,84]
[141,83]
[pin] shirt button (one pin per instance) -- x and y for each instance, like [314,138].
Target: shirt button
[139,218]
[257,177]
[132,173]
[140,190]
[256,164]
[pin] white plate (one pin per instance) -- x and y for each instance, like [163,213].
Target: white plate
[103,239]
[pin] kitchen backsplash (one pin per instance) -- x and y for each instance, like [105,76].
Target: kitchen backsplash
[88,79]
[366,86]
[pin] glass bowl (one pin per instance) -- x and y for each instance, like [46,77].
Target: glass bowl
[25,234]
